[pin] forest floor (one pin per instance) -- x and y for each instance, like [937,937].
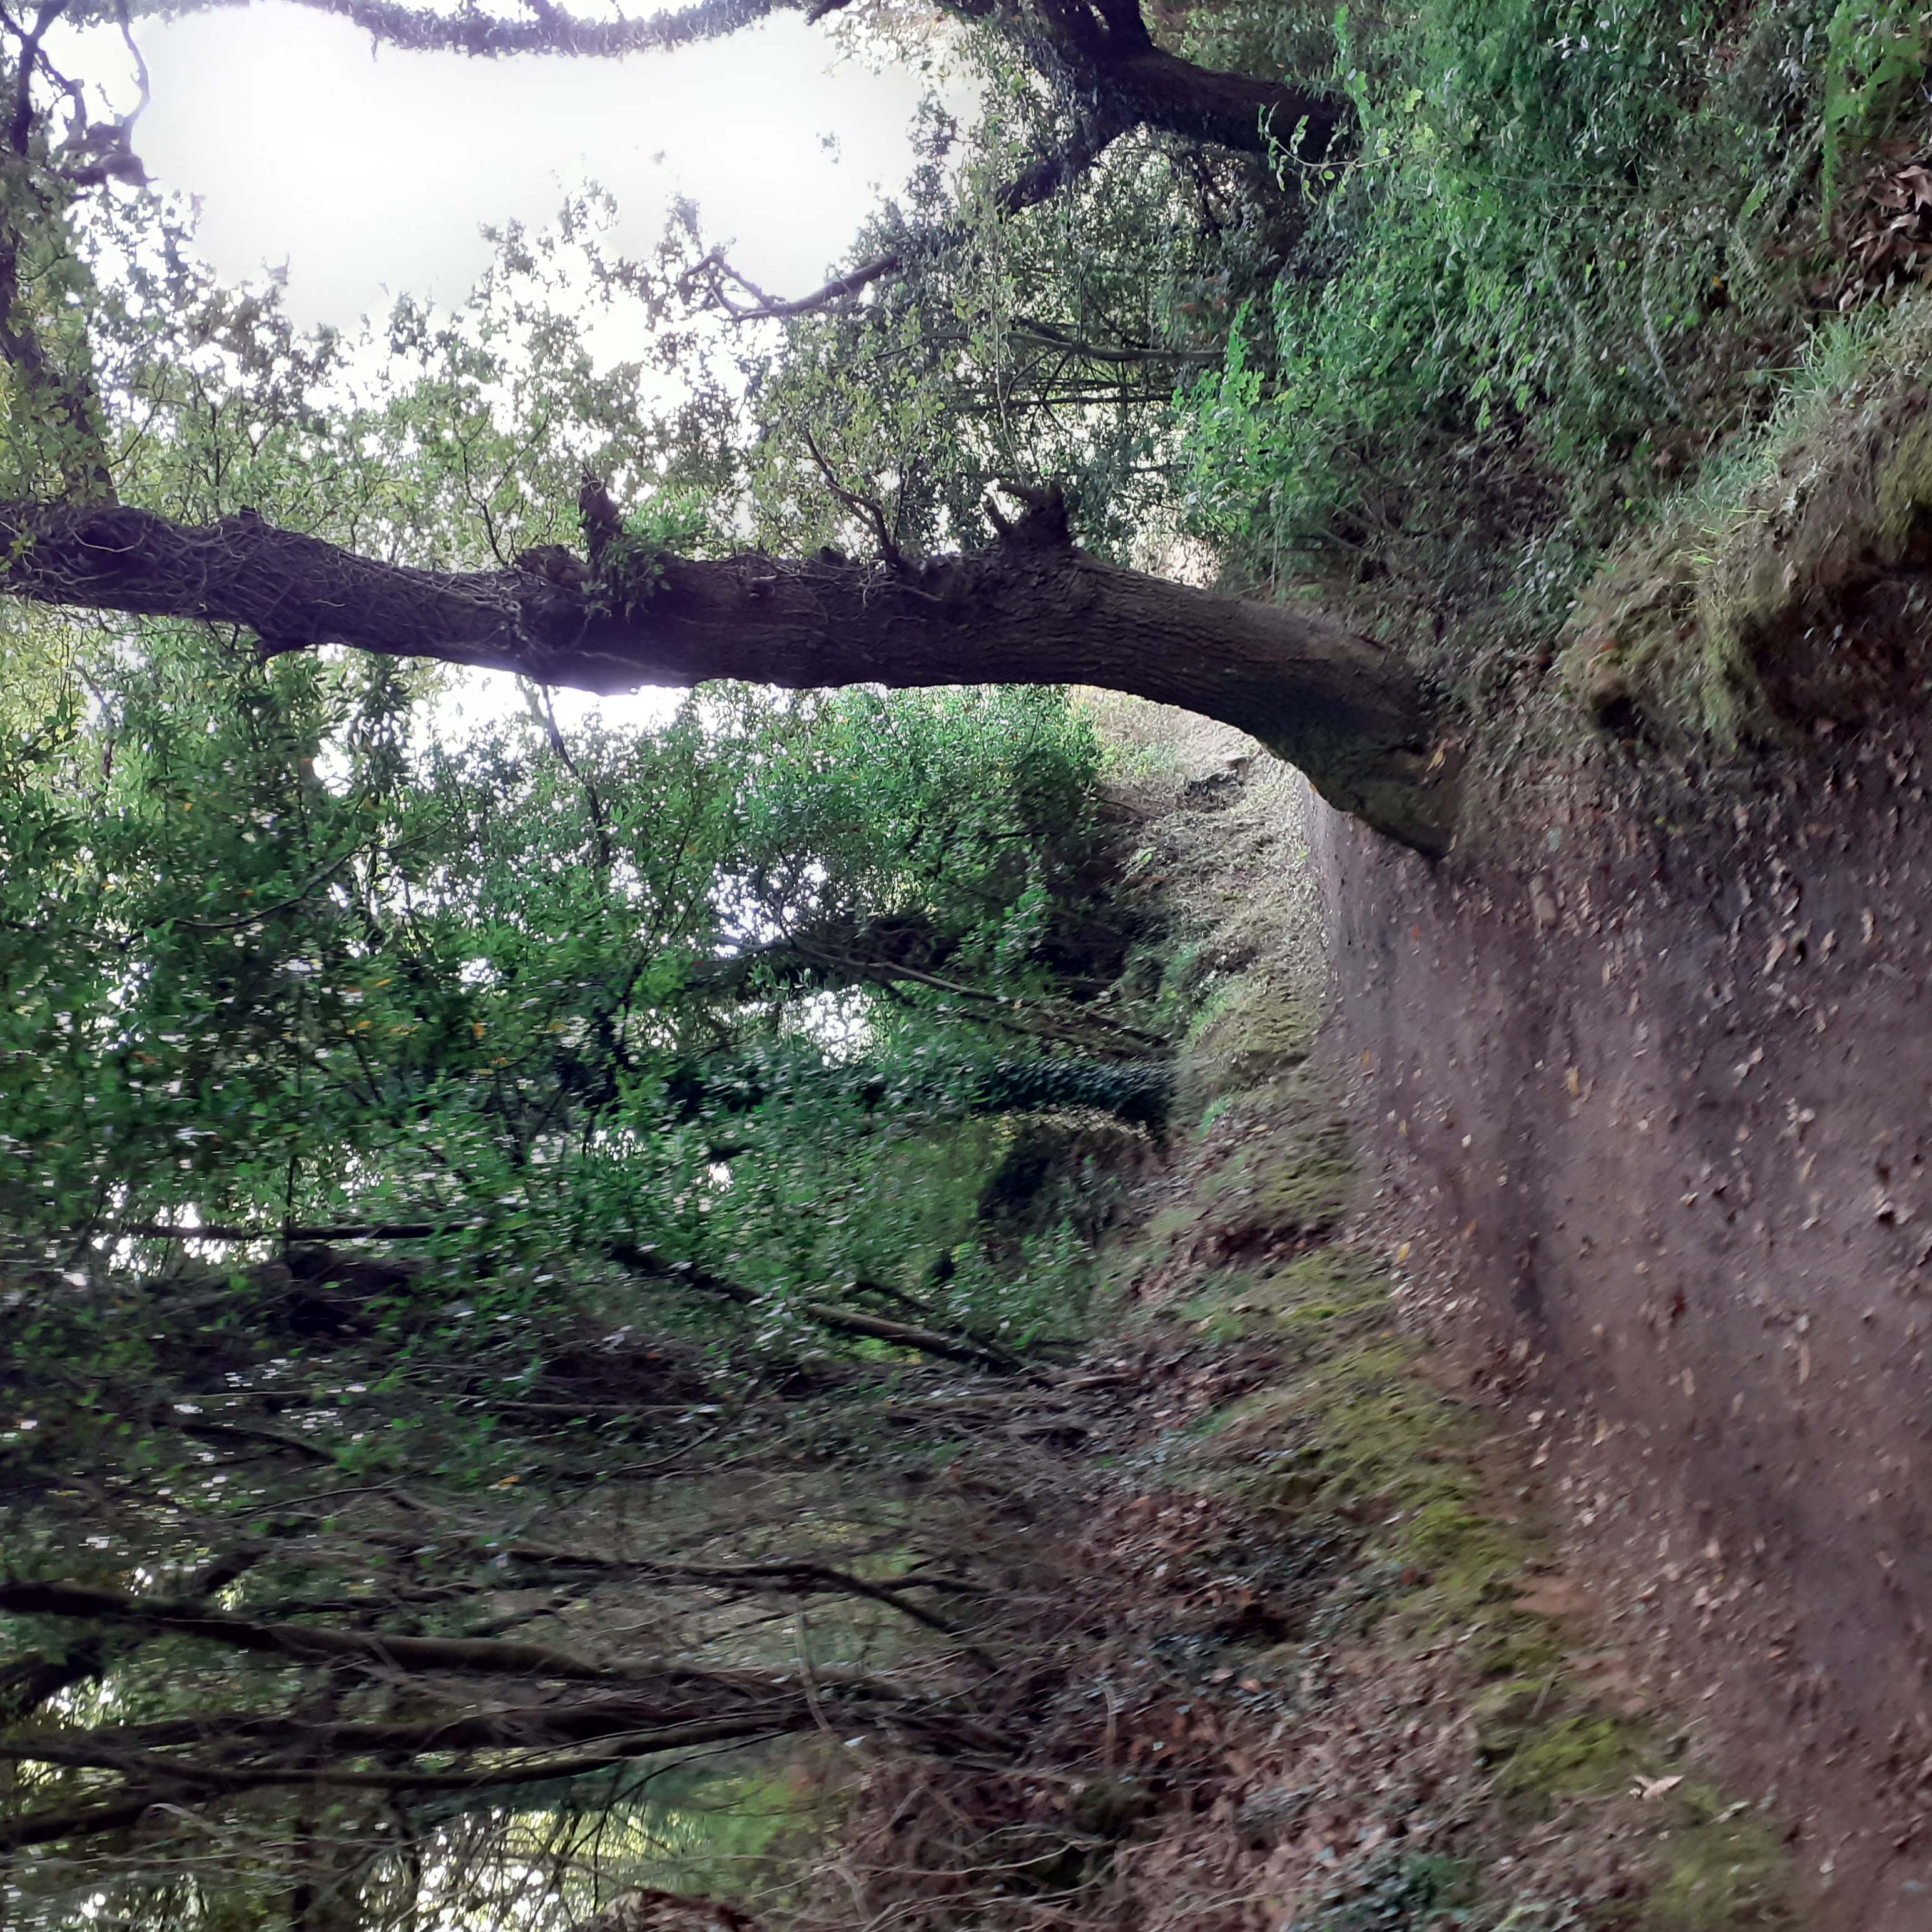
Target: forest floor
[1285,1610]
[1641,1110]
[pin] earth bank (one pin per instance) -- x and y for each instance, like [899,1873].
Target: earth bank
[1643,1090]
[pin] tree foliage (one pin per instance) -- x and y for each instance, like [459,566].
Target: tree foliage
[378,1116]
[426,1142]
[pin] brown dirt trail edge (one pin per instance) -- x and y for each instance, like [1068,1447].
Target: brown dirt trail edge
[1652,1108]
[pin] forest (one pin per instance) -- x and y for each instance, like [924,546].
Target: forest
[1196,1204]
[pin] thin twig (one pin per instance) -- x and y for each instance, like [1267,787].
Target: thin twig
[861,506]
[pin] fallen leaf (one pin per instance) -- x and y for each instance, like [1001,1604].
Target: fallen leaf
[1552,1597]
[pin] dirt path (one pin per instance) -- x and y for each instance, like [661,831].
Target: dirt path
[1648,1111]
[1285,1623]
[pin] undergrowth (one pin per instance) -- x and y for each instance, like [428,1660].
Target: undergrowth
[1575,254]
[1833,492]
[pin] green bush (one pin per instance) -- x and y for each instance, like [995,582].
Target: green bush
[1875,49]
[1560,265]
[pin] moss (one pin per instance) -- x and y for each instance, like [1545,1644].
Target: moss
[1568,1757]
[1275,1167]
[1295,1181]
[1352,1433]
[1169,1228]
[1718,622]
[1472,1561]
[1296,1301]
[1255,1029]
[1722,1870]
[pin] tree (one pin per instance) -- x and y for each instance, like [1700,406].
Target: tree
[406,1049]
[1030,609]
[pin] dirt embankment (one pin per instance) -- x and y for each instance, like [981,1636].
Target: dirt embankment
[1644,1113]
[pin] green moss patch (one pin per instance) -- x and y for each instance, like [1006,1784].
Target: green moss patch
[1721,623]
[1723,1869]
[1254,1029]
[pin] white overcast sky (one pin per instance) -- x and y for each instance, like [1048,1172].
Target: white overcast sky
[368,172]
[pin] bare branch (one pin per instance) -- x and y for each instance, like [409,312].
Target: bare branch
[174,1780]
[20,128]
[544,712]
[545,30]
[1039,182]
[839,293]
[203,1429]
[254,1777]
[925,1341]
[646,1724]
[794,1575]
[866,507]
[467,1656]
[140,65]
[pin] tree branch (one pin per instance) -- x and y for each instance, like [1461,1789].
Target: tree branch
[467,1656]
[794,1575]
[504,1727]
[120,1814]
[1037,183]
[194,1772]
[29,1682]
[925,1341]
[67,405]
[866,507]
[204,1429]
[173,1780]
[359,1230]
[546,30]
[1342,707]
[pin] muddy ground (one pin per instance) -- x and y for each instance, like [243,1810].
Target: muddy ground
[1642,1106]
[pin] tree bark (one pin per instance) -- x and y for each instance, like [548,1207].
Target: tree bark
[1148,87]
[1032,610]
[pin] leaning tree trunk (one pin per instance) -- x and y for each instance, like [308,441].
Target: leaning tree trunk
[1033,610]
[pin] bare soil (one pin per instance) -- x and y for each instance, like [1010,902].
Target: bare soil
[1644,1100]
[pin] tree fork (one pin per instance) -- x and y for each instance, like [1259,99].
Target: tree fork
[1032,610]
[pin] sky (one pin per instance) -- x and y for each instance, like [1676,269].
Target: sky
[367,173]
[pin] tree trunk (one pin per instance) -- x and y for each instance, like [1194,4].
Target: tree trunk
[1151,88]
[1033,610]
